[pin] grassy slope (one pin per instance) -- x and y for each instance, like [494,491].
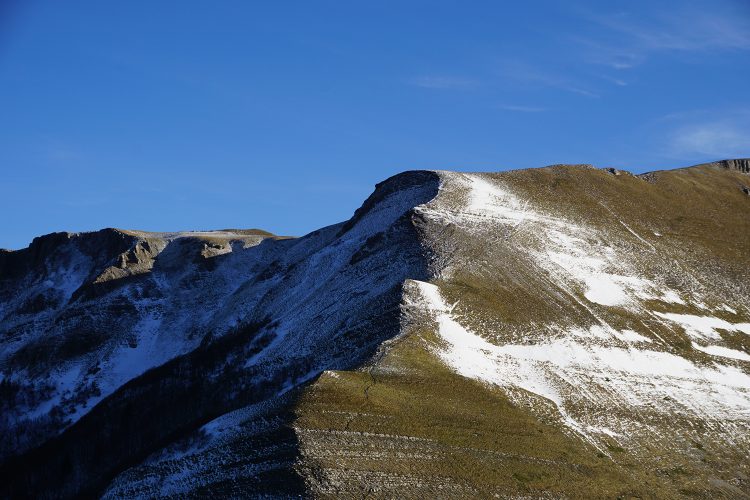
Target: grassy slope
[407,425]
[411,427]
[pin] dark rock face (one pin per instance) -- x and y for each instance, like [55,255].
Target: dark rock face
[736,164]
[100,246]
[741,164]
[399,182]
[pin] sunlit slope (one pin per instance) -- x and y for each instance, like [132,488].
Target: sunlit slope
[587,334]
[411,427]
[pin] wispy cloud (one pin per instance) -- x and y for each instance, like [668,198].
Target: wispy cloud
[521,109]
[525,73]
[444,82]
[719,139]
[625,41]
[686,30]
[709,134]
[618,56]
[617,81]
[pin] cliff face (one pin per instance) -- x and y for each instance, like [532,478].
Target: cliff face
[741,165]
[561,331]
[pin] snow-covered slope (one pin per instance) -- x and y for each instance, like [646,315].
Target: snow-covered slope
[252,316]
[594,325]
[640,339]
[84,313]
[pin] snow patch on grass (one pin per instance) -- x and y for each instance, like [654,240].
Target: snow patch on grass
[724,352]
[568,371]
[489,199]
[604,290]
[630,336]
[703,327]
[577,257]
[672,297]
[729,309]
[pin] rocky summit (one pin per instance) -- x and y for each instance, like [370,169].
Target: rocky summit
[565,331]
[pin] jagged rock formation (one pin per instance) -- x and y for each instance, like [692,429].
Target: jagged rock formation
[565,331]
[740,164]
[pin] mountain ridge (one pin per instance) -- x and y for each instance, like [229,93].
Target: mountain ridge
[561,258]
[739,164]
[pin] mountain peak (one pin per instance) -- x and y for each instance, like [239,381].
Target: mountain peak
[600,321]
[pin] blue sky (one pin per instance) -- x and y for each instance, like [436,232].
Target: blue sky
[283,115]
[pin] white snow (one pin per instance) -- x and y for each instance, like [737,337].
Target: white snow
[489,199]
[68,279]
[604,290]
[630,336]
[577,258]
[729,309]
[703,327]
[566,369]
[64,380]
[724,352]
[672,297]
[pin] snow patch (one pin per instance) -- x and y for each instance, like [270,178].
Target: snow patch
[724,352]
[566,371]
[729,309]
[672,297]
[604,290]
[703,327]
[574,259]
[576,256]
[630,336]
[486,198]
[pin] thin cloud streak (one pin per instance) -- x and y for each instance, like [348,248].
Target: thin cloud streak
[522,72]
[444,82]
[617,81]
[717,134]
[684,31]
[719,139]
[616,56]
[627,42]
[521,109]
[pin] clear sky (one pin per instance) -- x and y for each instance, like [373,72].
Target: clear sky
[283,115]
